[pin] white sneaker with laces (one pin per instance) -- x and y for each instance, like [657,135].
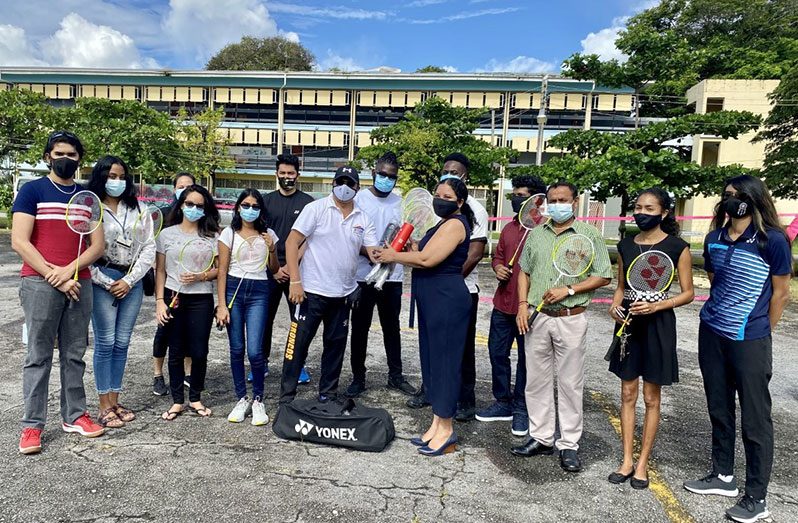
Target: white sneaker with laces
[259,416]
[240,411]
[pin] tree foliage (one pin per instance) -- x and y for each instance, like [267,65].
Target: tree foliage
[431,69]
[781,132]
[622,165]
[426,135]
[23,115]
[677,43]
[262,54]
[207,148]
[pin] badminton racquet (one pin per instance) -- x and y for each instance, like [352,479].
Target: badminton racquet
[532,214]
[196,256]
[147,227]
[252,256]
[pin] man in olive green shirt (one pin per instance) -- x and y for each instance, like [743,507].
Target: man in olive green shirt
[557,339]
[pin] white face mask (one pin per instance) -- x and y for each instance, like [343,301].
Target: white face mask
[344,193]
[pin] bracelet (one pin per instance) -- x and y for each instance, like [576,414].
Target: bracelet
[295,282]
[523,302]
[158,299]
[673,302]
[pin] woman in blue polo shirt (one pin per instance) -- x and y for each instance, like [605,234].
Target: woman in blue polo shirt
[748,260]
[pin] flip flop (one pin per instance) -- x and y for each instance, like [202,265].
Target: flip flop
[171,415]
[203,412]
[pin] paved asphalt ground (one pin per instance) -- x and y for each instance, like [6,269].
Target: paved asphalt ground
[210,470]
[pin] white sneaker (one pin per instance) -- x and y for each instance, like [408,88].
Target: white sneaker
[259,416]
[240,411]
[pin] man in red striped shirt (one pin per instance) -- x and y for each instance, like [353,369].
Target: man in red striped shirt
[48,247]
[510,402]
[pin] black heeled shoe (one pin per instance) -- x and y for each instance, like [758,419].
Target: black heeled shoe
[616,478]
[450,445]
[418,442]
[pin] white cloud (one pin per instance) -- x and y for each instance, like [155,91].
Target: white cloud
[519,64]
[602,44]
[449,68]
[15,48]
[335,61]
[345,13]
[80,43]
[290,36]
[464,15]
[425,3]
[200,28]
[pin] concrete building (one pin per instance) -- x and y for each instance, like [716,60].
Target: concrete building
[732,95]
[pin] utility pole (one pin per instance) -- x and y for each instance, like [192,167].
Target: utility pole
[542,118]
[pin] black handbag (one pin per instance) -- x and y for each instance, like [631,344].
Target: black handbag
[148,283]
[337,424]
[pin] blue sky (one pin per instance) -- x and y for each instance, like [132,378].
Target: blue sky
[465,35]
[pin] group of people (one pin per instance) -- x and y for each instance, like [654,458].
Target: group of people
[319,254]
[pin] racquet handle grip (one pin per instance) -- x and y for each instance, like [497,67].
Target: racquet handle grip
[531,319]
[616,342]
[402,236]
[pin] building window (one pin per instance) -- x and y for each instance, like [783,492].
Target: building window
[714,105]
[709,154]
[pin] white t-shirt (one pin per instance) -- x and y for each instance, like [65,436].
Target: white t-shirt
[233,243]
[382,211]
[480,231]
[170,243]
[329,264]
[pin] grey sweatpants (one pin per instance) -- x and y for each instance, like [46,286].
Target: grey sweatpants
[48,317]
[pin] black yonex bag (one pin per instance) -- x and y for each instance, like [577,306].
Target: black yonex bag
[331,423]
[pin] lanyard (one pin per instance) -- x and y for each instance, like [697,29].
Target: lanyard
[122,224]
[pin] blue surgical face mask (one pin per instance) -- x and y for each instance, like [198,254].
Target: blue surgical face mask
[193,214]
[561,212]
[250,215]
[115,188]
[178,192]
[384,184]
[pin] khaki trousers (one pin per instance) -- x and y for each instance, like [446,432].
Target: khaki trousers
[556,345]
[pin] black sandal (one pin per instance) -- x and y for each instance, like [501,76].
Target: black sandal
[171,415]
[203,411]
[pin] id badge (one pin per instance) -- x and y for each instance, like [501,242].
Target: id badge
[124,242]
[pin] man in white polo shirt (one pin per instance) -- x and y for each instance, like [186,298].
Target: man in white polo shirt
[335,231]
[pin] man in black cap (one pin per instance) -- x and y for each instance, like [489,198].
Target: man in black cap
[334,231]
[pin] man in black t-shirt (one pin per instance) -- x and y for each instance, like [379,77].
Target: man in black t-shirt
[282,209]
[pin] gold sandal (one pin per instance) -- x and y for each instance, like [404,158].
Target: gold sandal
[109,419]
[124,413]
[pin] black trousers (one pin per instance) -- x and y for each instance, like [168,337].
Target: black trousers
[189,333]
[389,305]
[741,367]
[275,290]
[161,340]
[468,370]
[314,310]
[503,330]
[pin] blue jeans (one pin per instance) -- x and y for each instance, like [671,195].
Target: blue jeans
[113,327]
[503,330]
[249,312]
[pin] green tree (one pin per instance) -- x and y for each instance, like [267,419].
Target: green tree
[677,43]
[426,135]
[623,164]
[262,54]
[431,69]
[24,115]
[146,139]
[781,134]
[206,149]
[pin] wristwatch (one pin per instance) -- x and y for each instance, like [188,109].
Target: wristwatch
[571,290]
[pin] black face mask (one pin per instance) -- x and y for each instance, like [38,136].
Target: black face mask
[64,168]
[646,222]
[443,208]
[517,202]
[737,208]
[286,184]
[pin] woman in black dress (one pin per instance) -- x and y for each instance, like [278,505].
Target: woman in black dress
[444,305]
[651,343]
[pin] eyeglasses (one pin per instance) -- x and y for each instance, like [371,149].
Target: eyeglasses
[248,206]
[191,205]
[728,194]
[383,173]
[345,181]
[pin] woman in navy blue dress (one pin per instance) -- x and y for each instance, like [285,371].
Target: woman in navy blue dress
[443,308]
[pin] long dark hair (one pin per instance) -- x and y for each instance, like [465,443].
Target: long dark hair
[461,191]
[754,192]
[209,224]
[669,224]
[99,175]
[260,223]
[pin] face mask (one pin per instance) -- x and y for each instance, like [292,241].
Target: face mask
[737,208]
[344,193]
[646,222]
[384,184]
[178,192]
[115,188]
[286,184]
[443,208]
[250,215]
[447,176]
[517,202]
[561,212]
[64,167]
[193,214]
